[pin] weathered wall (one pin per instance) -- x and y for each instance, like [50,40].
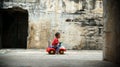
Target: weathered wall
[39,34]
[0,31]
[49,16]
[112,30]
[1,4]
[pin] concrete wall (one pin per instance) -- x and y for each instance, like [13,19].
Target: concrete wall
[112,30]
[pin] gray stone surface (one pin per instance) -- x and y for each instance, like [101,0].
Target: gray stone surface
[39,58]
[112,31]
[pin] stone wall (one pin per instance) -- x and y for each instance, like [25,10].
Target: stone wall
[39,34]
[112,31]
[0,31]
[49,16]
[87,29]
[1,4]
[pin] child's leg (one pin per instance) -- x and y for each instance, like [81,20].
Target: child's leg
[57,50]
[58,47]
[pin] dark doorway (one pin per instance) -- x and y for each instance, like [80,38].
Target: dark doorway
[14,27]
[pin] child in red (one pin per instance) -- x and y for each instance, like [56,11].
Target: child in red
[55,43]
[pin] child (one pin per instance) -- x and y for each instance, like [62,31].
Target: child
[55,43]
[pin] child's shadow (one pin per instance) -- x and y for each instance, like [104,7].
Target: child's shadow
[56,54]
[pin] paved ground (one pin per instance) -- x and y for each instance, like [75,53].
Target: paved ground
[39,58]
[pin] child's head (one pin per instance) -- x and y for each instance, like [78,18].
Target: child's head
[57,35]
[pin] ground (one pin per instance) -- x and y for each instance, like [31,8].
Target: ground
[39,58]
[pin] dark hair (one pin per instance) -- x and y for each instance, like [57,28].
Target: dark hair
[56,34]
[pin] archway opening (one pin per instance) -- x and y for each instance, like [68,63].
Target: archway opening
[14,27]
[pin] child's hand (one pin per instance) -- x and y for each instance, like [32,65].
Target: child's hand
[60,42]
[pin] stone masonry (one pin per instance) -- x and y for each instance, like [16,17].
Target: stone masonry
[79,22]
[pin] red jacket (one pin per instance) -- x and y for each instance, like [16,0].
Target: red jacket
[55,42]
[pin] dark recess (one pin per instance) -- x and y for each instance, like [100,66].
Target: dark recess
[13,28]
